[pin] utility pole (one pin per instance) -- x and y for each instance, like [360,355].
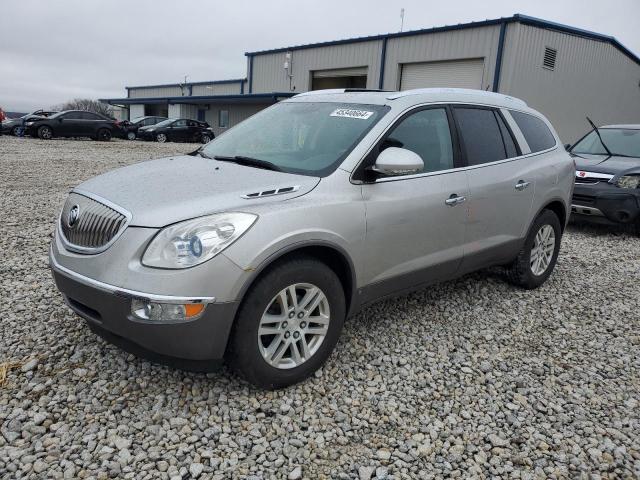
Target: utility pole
[401,19]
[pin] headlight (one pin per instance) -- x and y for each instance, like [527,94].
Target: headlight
[628,181]
[192,242]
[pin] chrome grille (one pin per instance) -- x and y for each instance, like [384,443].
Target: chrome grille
[95,227]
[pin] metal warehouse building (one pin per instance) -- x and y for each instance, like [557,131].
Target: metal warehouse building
[566,73]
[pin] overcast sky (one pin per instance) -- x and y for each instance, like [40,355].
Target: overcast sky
[52,51]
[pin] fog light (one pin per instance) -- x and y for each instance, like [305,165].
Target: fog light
[165,312]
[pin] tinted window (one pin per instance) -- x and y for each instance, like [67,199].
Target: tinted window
[535,131]
[73,116]
[192,123]
[90,116]
[426,133]
[180,123]
[480,135]
[509,143]
[149,121]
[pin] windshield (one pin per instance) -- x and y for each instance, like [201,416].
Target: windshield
[306,138]
[620,141]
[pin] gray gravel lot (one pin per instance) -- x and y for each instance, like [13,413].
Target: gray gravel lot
[472,379]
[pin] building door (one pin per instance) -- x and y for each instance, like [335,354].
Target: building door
[452,74]
[339,78]
[202,113]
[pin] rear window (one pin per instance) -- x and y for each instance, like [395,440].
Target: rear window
[481,135]
[535,131]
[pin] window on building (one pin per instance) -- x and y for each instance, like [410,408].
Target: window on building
[481,135]
[535,131]
[201,114]
[223,118]
[426,133]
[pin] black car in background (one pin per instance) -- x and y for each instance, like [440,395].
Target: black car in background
[129,128]
[73,123]
[13,126]
[607,188]
[177,130]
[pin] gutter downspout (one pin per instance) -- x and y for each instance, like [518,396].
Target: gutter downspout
[250,73]
[499,53]
[383,57]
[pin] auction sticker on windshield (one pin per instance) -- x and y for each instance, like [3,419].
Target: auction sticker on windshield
[350,113]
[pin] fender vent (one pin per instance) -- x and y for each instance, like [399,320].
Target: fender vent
[270,193]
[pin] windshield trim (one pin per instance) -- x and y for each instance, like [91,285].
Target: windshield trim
[333,166]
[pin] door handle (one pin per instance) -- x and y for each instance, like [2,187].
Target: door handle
[455,199]
[521,185]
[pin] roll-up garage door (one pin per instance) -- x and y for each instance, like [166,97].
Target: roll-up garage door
[355,77]
[454,74]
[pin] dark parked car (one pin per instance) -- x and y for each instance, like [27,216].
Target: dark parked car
[73,123]
[13,126]
[607,188]
[129,129]
[177,130]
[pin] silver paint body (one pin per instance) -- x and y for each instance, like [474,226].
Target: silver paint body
[393,227]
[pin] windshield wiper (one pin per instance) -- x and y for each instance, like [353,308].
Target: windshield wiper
[595,129]
[249,162]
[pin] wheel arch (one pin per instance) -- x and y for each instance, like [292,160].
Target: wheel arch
[334,256]
[558,207]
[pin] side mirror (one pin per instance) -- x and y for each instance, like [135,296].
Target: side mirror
[567,146]
[397,161]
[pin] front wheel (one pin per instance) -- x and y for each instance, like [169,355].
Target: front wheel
[45,133]
[206,138]
[161,138]
[288,324]
[131,135]
[104,135]
[539,254]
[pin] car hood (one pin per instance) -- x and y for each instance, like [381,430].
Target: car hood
[605,163]
[168,190]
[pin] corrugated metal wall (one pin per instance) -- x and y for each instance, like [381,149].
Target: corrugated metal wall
[217,89]
[237,113]
[481,42]
[269,74]
[590,78]
[155,92]
[136,111]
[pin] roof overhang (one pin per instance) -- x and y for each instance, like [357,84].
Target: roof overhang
[250,98]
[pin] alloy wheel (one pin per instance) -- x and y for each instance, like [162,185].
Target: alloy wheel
[161,137]
[131,136]
[294,325]
[544,246]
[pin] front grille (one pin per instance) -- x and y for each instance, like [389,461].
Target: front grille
[583,199]
[92,226]
[587,180]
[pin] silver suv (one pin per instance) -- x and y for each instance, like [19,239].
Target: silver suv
[256,248]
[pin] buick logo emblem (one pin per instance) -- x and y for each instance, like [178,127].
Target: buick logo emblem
[74,215]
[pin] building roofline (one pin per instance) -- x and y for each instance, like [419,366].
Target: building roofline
[195,98]
[192,84]
[516,18]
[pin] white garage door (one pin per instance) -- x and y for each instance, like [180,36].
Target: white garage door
[453,74]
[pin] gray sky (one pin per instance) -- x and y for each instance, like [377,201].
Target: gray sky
[52,51]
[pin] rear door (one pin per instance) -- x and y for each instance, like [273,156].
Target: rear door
[501,186]
[415,233]
[91,123]
[178,130]
[70,125]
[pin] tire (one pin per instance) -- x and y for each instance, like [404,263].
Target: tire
[529,272]
[131,135]
[15,131]
[45,132]
[206,138]
[248,351]
[104,135]
[162,138]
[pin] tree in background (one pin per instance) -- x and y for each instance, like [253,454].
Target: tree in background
[86,104]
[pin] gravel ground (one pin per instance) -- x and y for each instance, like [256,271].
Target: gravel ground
[472,378]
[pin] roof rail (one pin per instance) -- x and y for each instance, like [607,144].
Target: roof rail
[459,91]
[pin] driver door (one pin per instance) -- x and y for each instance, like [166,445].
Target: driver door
[415,233]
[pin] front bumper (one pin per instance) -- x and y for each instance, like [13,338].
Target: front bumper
[606,203]
[197,344]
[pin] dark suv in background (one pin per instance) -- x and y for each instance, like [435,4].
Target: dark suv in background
[177,130]
[73,123]
[129,129]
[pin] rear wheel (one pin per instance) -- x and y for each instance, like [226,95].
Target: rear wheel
[15,131]
[131,135]
[104,135]
[161,138]
[288,324]
[206,138]
[45,132]
[538,256]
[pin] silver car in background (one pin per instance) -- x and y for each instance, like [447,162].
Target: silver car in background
[256,248]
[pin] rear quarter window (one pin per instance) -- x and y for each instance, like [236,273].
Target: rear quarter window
[535,131]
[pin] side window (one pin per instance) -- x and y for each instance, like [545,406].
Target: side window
[74,116]
[180,123]
[149,121]
[90,116]
[480,134]
[223,118]
[426,133]
[192,123]
[509,142]
[535,131]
